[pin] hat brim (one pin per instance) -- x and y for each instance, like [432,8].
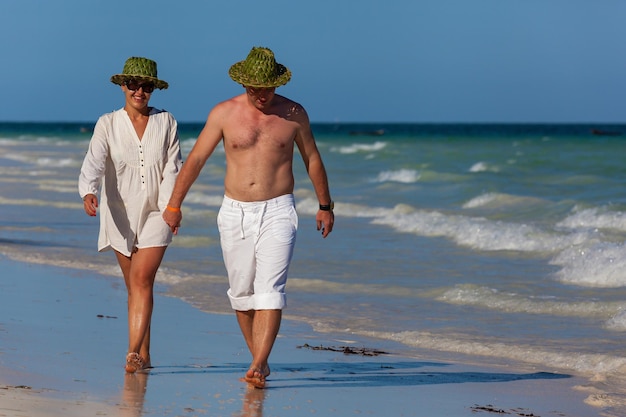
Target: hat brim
[237,73]
[120,79]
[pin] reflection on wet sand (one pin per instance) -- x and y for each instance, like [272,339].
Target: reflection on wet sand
[253,402]
[134,394]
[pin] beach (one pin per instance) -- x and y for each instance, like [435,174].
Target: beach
[487,261]
[63,341]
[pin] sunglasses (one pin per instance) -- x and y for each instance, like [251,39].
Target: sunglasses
[135,85]
[259,90]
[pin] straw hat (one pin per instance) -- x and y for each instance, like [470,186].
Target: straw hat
[260,69]
[141,68]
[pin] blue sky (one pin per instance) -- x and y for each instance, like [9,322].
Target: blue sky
[352,60]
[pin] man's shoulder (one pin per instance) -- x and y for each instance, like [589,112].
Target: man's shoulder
[223,111]
[291,109]
[228,104]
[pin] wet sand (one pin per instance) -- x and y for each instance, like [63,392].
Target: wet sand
[63,341]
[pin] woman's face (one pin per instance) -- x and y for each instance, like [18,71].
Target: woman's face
[137,93]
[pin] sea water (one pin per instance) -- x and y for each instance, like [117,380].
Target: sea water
[497,244]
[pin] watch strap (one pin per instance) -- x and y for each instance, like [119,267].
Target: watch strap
[327,207]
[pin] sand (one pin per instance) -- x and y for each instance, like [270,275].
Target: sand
[63,342]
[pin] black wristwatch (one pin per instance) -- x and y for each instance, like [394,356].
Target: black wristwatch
[327,207]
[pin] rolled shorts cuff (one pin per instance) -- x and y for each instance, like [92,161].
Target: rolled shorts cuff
[268,301]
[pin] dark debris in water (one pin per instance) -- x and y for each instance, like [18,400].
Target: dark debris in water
[348,350]
[491,409]
[16,387]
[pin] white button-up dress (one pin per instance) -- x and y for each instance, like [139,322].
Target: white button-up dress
[134,178]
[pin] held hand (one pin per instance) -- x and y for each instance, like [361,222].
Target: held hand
[173,219]
[90,202]
[325,221]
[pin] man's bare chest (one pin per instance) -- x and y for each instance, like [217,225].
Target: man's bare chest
[260,136]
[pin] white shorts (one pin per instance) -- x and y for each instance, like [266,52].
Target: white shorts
[257,241]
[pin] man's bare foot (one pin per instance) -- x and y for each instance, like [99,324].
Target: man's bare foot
[256,377]
[134,362]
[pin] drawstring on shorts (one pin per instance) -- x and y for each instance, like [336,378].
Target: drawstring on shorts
[259,217]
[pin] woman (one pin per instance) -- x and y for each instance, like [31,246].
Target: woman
[132,161]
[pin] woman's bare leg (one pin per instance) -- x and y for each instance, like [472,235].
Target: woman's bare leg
[139,274]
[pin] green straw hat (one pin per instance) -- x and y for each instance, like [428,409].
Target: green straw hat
[260,69]
[140,68]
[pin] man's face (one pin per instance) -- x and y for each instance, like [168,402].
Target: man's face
[260,97]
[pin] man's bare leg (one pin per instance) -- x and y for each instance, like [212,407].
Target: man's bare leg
[139,274]
[259,329]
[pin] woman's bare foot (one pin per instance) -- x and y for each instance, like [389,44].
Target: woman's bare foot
[134,362]
[256,376]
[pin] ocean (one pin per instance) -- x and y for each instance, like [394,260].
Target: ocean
[488,243]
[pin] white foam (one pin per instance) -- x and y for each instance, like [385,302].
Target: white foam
[499,200]
[58,162]
[477,232]
[585,256]
[57,185]
[204,198]
[331,287]
[9,142]
[599,264]
[99,263]
[103,266]
[595,218]
[41,203]
[43,161]
[554,357]
[483,167]
[402,175]
[466,294]
[308,205]
[482,200]
[359,147]
[617,322]
[20,157]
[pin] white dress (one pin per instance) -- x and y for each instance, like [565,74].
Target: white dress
[134,178]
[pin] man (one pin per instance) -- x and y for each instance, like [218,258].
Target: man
[257,220]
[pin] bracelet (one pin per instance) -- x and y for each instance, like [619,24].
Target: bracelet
[174,209]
